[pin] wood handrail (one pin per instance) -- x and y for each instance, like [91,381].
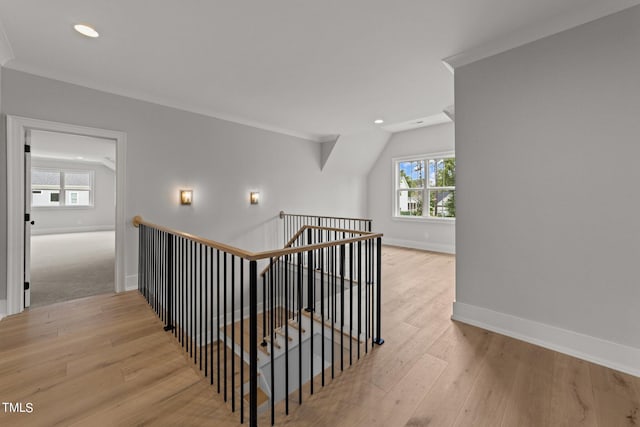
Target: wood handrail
[255,256]
[314,227]
[138,220]
[283,213]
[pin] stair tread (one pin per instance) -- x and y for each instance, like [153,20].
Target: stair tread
[262,397]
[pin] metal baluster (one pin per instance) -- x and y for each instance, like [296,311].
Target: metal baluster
[206,309]
[218,313]
[233,335]
[210,346]
[153,271]
[200,247]
[366,297]
[378,340]
[321,253]
[342,268]
[271,335]
[176,296]
[350,304]
[224,298]
[161,281]
[183,272]
[253,344]
[299,327]
[140,258]
[242,340]
[169,293]
[371,295]
[359,293]
[286,333]
[310,309]
[189,299]
[264,311]
[333,308]
[193,301]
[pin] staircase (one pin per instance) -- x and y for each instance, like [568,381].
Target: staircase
[313,311]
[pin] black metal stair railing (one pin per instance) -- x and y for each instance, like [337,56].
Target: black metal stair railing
[292,223]
[326,287]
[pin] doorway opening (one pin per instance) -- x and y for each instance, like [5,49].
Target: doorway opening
[71,232]
[56,189]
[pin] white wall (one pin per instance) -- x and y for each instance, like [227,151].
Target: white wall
[168,149]
[435,235]
[3,208]
[100,216]
[548,236]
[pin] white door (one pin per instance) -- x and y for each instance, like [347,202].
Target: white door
[28,220]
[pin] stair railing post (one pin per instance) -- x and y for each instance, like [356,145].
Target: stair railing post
[253,344]
[310,273]
[169,294]
[378,339]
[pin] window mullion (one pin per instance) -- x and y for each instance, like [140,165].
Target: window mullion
[63,190]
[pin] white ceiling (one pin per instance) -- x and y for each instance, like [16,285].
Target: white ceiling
[310,68]
[64,146]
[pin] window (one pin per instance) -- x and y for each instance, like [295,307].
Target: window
[56,187]
[430,179]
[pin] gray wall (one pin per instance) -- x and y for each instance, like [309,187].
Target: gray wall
[101,216]
[222,161]
[433,234]
[547,149]
[3,200]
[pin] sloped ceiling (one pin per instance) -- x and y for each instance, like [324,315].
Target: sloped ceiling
[315,69]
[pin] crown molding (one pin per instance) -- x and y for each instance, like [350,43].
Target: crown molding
[139,96]
[553,26]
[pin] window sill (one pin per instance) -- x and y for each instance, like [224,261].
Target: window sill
[451,221]
[62,208]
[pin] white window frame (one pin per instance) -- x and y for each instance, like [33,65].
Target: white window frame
[64,188]
[395,214]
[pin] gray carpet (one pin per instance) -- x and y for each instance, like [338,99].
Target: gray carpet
[71,266]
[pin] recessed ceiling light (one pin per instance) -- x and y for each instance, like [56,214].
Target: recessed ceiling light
[378,121]
[86,30]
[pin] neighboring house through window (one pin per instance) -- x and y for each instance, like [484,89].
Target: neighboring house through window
[425,178]
[58,187]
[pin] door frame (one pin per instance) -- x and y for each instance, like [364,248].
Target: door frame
[16,131]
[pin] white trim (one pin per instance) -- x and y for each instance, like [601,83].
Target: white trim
[3,308]
[425,246]
[395,183]
[67,230]
[527,34]
[131,283]
[16,129]
[606,353]
[430,219]
[443,154]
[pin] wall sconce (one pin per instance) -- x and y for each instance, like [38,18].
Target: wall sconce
[254,197]
[186,197]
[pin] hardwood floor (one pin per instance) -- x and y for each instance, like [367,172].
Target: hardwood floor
[105,360]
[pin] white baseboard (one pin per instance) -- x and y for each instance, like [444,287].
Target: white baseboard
[131,283]
[425,246]
[602,352]
[3,308]
[66,230]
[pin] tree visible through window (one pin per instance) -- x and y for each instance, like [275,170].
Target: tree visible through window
[427,178]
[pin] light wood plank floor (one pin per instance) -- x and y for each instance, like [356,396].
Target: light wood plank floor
[105,360]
